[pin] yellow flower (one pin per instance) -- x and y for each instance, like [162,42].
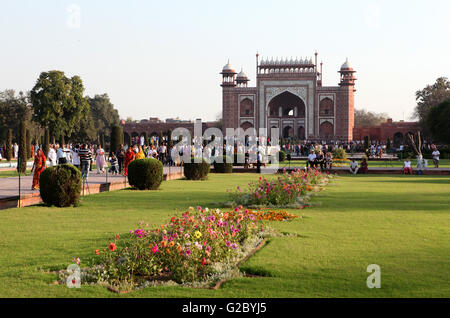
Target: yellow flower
[198,234]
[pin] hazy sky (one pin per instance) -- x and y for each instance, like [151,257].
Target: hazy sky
[163,58]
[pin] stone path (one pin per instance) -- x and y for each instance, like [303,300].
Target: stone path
[9,187]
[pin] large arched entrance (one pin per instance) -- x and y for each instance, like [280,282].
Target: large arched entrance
[301,132]
[326,130]
[286,105]
[288,132]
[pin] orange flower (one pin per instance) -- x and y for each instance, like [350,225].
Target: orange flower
[112,247]
[97,252]
[167,251]
[179,248]
[172,243]
[163,243]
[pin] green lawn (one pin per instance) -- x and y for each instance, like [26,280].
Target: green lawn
[398,222]
[443,163]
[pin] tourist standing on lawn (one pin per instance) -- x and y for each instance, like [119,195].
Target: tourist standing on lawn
[38,166]
[354,166]
[435,155]
[407,169]
[129,156]
[100,159]
[85,160]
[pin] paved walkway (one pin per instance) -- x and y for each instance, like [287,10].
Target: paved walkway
[9,187]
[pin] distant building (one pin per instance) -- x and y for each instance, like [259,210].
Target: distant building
[396,131]
[289,96]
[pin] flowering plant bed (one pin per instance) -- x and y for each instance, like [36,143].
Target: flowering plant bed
[197,249]
[289,190]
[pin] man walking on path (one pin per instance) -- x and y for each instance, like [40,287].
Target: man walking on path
[85,160]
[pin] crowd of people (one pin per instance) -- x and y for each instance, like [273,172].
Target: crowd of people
[83,156]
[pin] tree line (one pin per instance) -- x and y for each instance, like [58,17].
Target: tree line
[55,110]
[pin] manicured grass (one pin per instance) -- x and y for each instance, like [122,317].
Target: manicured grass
[443,163]
[398,222]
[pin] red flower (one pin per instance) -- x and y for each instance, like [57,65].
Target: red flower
[97,252]
[203,261]
[112,247]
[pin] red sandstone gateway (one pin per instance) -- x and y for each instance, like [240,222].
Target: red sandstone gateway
[289,96]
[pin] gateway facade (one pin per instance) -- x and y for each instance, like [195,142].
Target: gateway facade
[289,96]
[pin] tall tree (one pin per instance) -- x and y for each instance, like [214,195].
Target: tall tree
[58,102]
[438,120]
[46,143]
[13,110]
[103,113]
[22,160]
[8,150]
[116,137]
[368,118]
[430,96]
[28,143]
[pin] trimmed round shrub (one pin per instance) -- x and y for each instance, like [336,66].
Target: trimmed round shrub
[60,185]
[339,153]
[196,171]
[281,156]
[145,174]
[223,167]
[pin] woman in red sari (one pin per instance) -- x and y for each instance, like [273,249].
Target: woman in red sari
[129,156]
[38,166]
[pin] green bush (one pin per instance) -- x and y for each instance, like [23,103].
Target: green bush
[339,153]
[223,167]
[196,171]
[145,174]
[281,156]
[60,185]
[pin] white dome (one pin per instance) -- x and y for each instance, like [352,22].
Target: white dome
[346,65]
[228,67]
[242,75]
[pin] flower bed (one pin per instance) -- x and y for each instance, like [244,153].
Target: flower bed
[198,249]
[288,190]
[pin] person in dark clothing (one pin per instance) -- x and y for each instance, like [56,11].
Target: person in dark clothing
[120,157]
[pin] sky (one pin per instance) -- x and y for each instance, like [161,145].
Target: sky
[163,58]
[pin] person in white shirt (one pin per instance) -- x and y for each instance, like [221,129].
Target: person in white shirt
[407,169]
[52,156]
[354,166]
[75,156]
[16,150]
[436,155]
[311,160]
[61,155]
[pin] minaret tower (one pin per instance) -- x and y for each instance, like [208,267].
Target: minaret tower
[346,109]
[228,76]
[347,77]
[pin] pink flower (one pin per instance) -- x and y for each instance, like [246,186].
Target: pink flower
[155,249]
